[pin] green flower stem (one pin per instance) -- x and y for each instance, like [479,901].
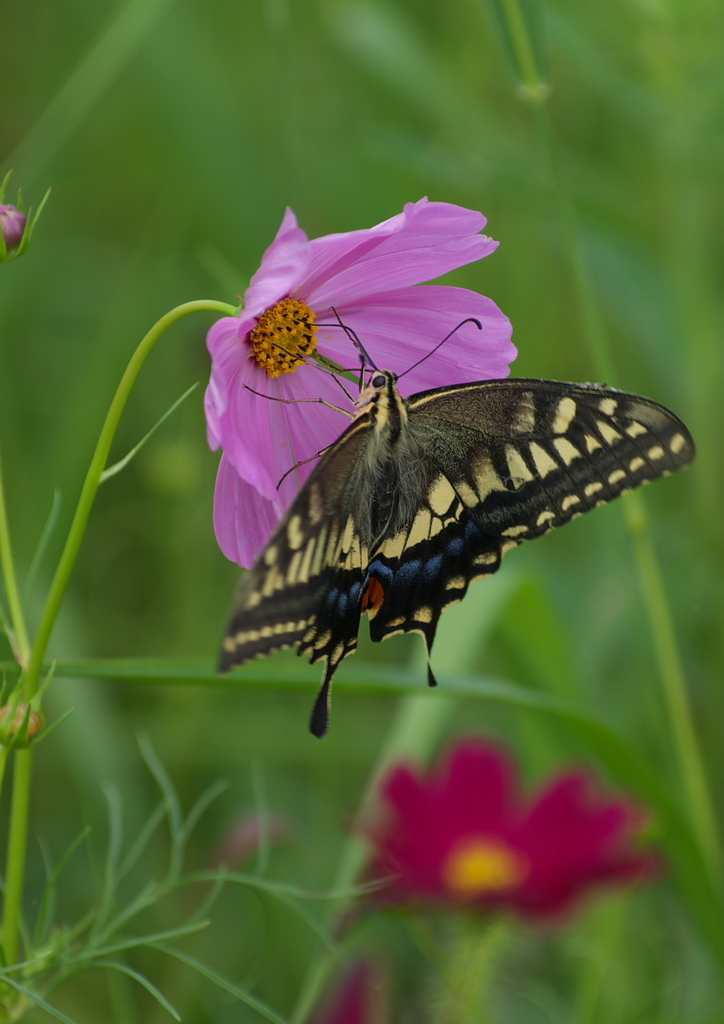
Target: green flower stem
[419,724]
[681,724]
[469,970]
[696,787]
[17,841]
[93,477]
[11,582]
[23,761]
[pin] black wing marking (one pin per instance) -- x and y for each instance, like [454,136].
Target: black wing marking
[514,459]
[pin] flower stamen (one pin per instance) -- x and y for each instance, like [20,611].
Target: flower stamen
[481,865]
[284,337]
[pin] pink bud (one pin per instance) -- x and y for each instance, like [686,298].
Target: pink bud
[12,223]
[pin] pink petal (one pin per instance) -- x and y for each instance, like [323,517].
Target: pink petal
[282,267]
[243,520]
[264,437]
[427,240]
[478,792]
[398,328]
[228,349]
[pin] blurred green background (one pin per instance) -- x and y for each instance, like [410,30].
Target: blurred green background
[174,133]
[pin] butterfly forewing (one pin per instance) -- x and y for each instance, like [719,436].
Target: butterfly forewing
[300,588]
[527,455]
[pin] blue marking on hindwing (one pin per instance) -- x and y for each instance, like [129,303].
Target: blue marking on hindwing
[432,569]
[471,531]
[455,546]
[408,573]
[379,569]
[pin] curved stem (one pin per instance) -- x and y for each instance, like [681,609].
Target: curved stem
[11,583]
[17,837]
[92,480]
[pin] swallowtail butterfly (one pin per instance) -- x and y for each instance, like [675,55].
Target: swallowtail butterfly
[422,495]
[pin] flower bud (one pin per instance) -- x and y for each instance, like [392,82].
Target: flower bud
[12,729]
[12,224]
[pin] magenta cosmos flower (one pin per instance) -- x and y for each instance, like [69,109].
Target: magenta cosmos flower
[463,836]
[266,353]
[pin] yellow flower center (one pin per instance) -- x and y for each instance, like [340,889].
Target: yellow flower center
[283,336]
[480,865]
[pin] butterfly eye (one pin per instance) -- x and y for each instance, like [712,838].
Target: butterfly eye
[378,381]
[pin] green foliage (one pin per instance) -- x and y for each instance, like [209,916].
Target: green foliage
[174,134]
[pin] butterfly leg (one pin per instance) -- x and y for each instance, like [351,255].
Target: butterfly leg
[301,401]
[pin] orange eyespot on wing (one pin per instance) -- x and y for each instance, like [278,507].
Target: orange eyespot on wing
[373,598]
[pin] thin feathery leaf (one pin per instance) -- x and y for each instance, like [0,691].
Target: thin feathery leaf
[204,801]
[227,986]
[45,536]
[114,965]
[52,875]
[142,840]
[54,725]
[91,953]
[151,893]
[172,802]
[113,852]
[118,466]
[37,1000]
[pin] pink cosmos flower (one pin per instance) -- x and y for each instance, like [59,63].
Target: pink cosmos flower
[263,354]
[463,836]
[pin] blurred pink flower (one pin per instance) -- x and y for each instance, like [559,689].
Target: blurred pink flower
[360,999]
[462,836]
[369,277]
[245,838]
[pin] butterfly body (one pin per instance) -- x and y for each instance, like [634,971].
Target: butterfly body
[421,496]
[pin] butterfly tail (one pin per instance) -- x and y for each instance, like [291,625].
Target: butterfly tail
[319,719]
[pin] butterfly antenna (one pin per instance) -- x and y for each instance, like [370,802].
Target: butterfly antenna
[354,338]
[470,320]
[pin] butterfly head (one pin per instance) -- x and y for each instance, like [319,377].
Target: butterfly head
[379,393]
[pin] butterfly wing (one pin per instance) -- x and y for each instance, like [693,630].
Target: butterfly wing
[305,586]
[508,461]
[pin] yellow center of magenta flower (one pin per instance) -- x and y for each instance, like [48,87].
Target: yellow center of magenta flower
[284,336]
[478,865]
